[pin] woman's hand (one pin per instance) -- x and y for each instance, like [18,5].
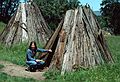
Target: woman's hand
[37,60]
[49,50]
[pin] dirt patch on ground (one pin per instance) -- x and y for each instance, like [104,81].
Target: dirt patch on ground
[15,70]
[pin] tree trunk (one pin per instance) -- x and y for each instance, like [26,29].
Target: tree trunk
[26,25]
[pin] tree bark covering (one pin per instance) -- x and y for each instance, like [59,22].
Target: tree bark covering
[79,43]
[26,25]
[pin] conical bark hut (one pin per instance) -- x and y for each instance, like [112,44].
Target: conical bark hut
[78,42]
[26,25]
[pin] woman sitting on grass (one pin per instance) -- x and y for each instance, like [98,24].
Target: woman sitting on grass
[31,53]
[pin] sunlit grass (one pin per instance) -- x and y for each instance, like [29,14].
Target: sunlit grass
[103,73]
[2,26]
[1,66]
[15,54]
[6,78]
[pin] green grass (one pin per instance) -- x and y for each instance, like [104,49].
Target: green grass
[2,26]
[103,73]
[114,46]
[15,54]
[6,78]
[1,66]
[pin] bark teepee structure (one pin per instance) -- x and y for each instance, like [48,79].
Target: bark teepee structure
[77,42]
[27,25]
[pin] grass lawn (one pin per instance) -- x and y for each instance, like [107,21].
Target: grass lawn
[2,26]
[6,78]
[1,66]
[103,73]
[15,54]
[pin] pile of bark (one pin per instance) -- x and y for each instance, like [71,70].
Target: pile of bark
[77,42]
[26,25]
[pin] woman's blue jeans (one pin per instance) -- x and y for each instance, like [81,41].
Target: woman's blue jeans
[34,63]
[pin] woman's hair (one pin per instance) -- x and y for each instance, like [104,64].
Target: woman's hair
[31,45]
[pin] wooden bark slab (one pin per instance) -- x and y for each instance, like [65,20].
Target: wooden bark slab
[80,42]
[26,25]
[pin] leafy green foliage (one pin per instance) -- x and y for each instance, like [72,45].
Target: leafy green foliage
[54,10]
[102,22]
[7,9]
[111,11]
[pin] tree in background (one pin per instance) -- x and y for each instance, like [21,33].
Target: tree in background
[102,22]
[7,9]
[54,10]
[111,11]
